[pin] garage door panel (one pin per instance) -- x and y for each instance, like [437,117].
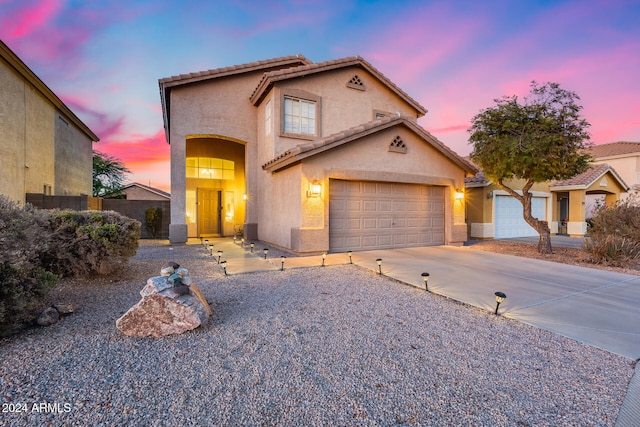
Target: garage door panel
[376,215]
[508,218]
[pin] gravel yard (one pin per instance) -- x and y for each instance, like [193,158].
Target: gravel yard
[338,345]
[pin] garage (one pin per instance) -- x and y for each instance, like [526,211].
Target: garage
[509,221]
[365,215]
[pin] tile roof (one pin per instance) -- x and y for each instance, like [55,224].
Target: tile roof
[614,149]
[311,148]
[269,78]
[477,180]
[294,60]
[591,175]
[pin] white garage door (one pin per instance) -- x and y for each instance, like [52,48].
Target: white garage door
[380,215]
[508,216]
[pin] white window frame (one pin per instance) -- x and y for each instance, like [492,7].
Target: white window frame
[299,116]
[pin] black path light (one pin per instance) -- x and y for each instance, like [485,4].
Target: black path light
[324,256]
[350,253]
[242,243]
[282,258]
[266,251]
[211,248]
[206,242]
[379,262]
[500,296]
[223,264]
[425,279]
[252,245]
[219,255]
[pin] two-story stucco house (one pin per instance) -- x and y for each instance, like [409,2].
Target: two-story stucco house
[45,148]
[310,157]
[624,157]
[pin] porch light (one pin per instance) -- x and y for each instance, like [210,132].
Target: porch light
[324,256]
[500,296]
[282,258]
[244,196]
[219,255]
[252,245]
[379,262]
[459,195]
[350,253]
[315,189]
[425,279]
[223,264]
[266,251]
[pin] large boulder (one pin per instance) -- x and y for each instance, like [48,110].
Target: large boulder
[165,309]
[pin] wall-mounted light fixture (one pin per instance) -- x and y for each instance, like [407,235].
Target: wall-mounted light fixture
[459,194]
[490,195]
[244,196]
[315,189]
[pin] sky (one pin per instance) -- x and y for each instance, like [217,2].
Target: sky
[104,58]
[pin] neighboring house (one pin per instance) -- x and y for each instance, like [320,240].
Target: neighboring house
[625,158]
[45,148]
[493,213]
[308,157]
[137,191]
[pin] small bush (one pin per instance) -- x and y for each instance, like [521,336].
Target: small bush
[90,242]
[614,237]
[23,281]
[153,220]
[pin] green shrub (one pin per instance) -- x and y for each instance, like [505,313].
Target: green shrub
[90,242]
[23,281]
[614,235]
[153,220]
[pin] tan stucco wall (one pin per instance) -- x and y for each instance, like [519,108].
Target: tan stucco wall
[216,107]
[364,159]
[340,107]
[27,128]
[73,159]
[40,147]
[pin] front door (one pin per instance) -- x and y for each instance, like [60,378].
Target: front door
[209,207]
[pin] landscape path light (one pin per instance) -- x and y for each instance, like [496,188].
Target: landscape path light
[211,248]
[350,253]
[219,255]
[500,296]
[379,262]
[266,251]
[282,258]
[252,245]
[425,279]
[324,256]
[223,264]
[206,242]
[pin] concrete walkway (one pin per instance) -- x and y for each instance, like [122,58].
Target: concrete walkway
[592,306]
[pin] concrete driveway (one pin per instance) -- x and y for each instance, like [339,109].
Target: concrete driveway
[596,307]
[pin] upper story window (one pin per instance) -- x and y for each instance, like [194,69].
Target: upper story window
[299,116]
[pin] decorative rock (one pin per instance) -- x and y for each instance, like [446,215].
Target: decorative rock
[163,310]
[64,309]
[48,317]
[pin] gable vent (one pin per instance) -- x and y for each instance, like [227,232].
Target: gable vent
[398,145]
[356,83]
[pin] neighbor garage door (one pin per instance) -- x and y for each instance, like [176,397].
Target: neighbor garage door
[367,215]
[509,221]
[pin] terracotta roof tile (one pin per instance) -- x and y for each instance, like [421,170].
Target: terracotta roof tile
[234,69]
[614,149]
[588,177]
[311,148]
[304,70]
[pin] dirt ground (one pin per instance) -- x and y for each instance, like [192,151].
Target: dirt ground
[574,256]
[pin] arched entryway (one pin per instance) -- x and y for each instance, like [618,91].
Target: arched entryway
[215,185]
